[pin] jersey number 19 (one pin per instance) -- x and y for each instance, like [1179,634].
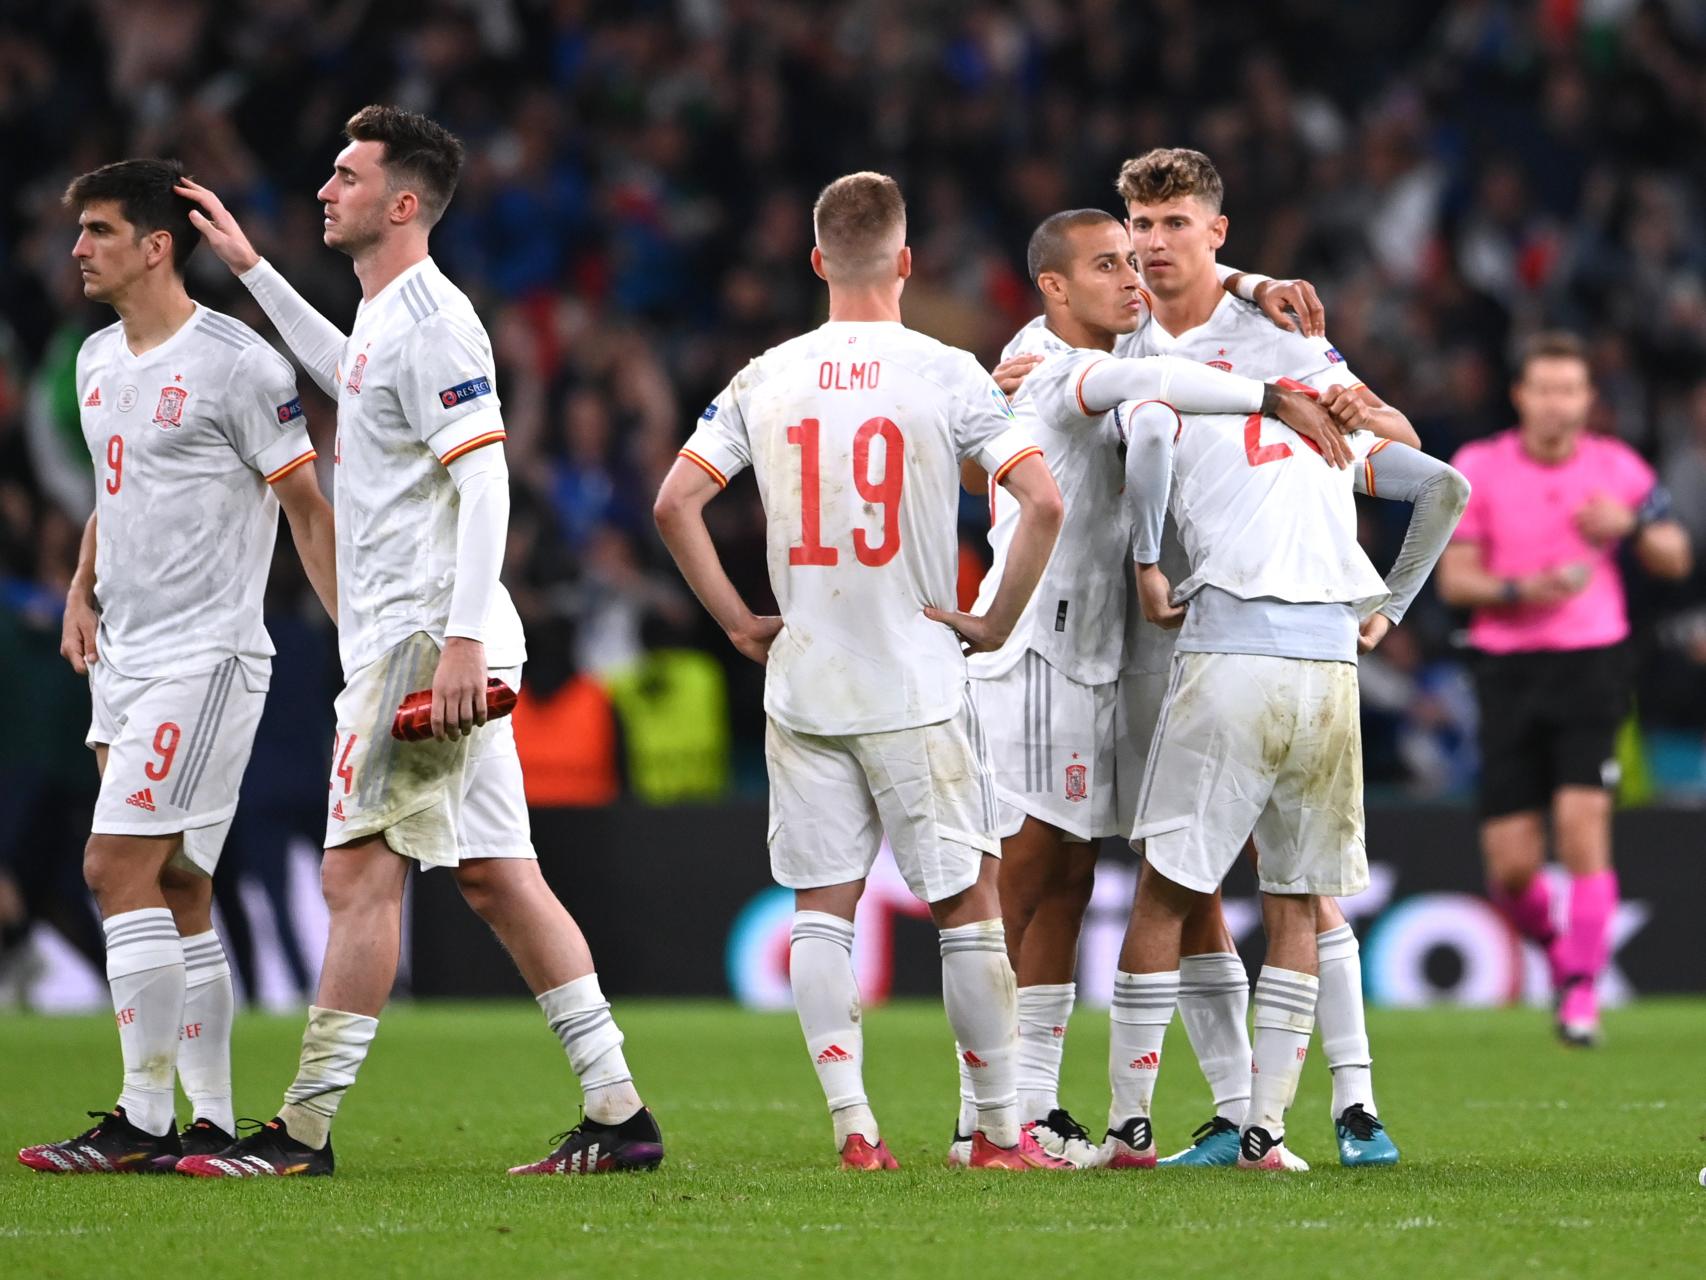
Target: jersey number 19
[882,491]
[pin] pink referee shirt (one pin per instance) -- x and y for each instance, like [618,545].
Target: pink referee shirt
[1522,513]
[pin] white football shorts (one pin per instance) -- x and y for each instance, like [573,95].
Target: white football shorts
[1137,709]
[833,798]
[176,750]
[1252,744]
[435,802]
[1051,749]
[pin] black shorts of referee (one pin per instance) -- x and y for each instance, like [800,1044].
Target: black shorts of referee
[1549,719]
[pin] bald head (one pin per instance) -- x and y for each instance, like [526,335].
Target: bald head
[860,222]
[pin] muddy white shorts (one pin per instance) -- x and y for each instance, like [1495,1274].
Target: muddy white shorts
[1256,744]
[176,750]
[1051,748]
[435,802]
[833,798]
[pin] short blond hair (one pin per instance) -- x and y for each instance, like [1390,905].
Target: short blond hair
[860,223]
[1167,173]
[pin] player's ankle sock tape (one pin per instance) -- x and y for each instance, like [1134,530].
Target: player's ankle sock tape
[580,1015]
[1044,1011]
[204,1046]
[1214,1005]
[334,1044]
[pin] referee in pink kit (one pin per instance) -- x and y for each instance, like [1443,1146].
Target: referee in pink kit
[1535,557]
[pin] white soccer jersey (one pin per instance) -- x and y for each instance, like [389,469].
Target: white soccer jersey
[1072,619]
[855,432]
[1239,338]
[417,389]
[185,439]
[1262,516]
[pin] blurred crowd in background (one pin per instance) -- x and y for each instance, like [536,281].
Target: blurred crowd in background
[634,222]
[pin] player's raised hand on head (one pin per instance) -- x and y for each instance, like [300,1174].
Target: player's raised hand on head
[974,630]
[77,633]
[1372,632]
[755,638]
[218,227]
[459,688]
[1277,297]
[1010,373]
[1155,595]
[1304,415]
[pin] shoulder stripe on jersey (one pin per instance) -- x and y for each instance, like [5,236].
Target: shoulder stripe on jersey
[290,466]
[421,303]
[706,467]
[468,446]
[219,325]
[414,311]
[226,322]
[1015,460]
[1078,388]
[229,339]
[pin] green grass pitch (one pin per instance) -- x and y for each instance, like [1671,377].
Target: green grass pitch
[1520,1158]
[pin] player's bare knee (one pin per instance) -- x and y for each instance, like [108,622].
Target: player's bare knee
[117,869]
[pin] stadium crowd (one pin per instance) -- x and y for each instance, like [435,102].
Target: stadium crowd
[634,225]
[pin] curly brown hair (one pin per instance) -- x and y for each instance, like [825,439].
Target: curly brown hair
[1167,173]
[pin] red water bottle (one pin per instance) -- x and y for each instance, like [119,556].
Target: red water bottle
[413,721]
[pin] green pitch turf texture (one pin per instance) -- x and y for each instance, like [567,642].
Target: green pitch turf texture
[1520,1158]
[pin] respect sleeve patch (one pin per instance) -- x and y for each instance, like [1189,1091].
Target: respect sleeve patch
[290,410]
[472,389]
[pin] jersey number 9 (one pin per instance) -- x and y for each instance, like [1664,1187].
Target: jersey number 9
[115,463]
[882,491]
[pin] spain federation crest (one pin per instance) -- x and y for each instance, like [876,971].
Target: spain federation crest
[1075,778]
[169,412]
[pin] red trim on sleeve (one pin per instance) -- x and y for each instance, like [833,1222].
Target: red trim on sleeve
[1078,389]
[290,466]
[706,467]
[468,446]
[1028,451]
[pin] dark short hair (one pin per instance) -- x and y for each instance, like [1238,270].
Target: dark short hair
[1551,344]
[420,155]
[142,190]
[1167,173]
[1050,248]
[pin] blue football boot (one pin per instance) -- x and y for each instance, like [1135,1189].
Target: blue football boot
[1362,1139]
[1213,1144]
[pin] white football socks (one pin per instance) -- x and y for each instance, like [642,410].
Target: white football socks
[204,1047]
[1137,1023]
[1043,1014]
[983,1009]
[1344,1027]
[145,969]
[1285,1017]
[334,1044]
[1214,1003]
[580,1015]
[826,997]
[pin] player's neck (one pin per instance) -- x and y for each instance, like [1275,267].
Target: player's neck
[1075,332]
[1190,307]
[153,312]
[385,260]
[866,305]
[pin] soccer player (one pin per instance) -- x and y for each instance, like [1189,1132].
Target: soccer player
[1173,200]
[1046,697]
[1260,732]
[197,436]
[856,432]
[1536,559]
[422,502]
